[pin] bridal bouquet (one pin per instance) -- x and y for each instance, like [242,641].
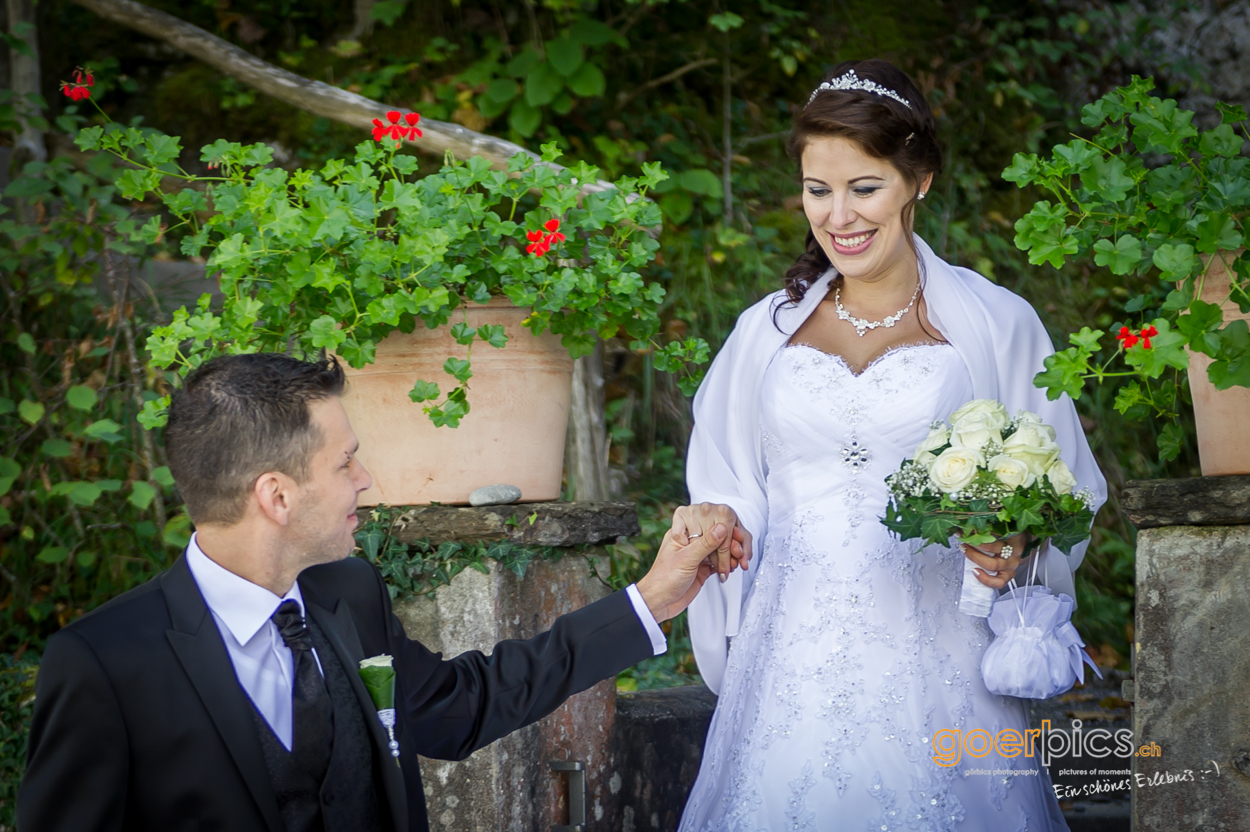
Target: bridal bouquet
[985,477]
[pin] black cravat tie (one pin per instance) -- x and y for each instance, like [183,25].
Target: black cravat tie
[313,733]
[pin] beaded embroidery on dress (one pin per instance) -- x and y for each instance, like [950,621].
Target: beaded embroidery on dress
[852,652]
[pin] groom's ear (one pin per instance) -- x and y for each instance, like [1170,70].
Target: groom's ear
[274,495]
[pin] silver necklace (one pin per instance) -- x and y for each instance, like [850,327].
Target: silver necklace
[862,325]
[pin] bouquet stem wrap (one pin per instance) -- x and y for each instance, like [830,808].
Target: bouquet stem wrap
[378,674]
[975,598]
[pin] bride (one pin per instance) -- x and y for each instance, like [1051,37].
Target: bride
[840,654]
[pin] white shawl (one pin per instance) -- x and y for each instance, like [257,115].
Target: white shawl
[999,337]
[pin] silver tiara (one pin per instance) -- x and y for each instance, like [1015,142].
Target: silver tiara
[851,81]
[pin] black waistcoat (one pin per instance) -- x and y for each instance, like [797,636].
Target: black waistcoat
[347,800]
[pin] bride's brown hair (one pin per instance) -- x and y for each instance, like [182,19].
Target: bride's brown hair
[905,136]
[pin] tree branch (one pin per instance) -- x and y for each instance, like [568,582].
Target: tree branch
[313,96]
[625,97]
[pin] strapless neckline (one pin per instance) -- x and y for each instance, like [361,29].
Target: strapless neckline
[841,362]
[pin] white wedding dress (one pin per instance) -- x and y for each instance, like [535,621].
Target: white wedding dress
[851,653]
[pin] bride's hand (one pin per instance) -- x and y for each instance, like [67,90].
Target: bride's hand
[987,556]
[699,519]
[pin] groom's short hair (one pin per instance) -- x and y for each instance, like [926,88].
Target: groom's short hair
[240,416]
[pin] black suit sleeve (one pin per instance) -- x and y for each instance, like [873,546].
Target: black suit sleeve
[76,762]
[454,707]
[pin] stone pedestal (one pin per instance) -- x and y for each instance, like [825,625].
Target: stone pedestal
[509,785]
[1191,655]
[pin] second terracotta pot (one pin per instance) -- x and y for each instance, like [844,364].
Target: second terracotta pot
[515,430]
[1222,416]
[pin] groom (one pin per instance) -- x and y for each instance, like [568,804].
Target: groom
[224,693]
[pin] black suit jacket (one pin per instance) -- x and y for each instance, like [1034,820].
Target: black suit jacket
[141,724]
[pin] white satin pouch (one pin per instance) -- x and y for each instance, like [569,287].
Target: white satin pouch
[1036,653]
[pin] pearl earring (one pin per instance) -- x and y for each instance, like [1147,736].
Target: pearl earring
[920,195]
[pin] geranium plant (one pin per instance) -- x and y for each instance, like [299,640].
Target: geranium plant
[1149,195]
[335,259]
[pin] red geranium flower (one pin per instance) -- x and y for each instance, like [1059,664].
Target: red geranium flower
[1148,333]
[554,227]
[1126,335]
[80,88]
[413,130]
[393,130]
[538,245]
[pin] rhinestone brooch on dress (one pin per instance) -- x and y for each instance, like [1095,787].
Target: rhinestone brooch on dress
[855,456]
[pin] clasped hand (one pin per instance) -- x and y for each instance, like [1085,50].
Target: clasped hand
[988,558]
[705,540]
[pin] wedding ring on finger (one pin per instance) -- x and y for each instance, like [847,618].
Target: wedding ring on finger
[693,536]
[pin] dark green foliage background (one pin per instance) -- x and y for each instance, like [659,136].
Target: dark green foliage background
[1002,75]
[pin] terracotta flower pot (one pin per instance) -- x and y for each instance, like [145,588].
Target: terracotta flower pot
[515,430]
[1222,416]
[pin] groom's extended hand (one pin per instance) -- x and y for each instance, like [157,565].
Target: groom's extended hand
[679,572]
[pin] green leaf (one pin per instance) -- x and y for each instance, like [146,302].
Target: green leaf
[493,334]
[677,206]
[325,334]
[1171,441]
[542,85]
[106,430]
[154,414]
[1121,257]
[701,181]
[57,448]
[1175,261]
[1221,141]
[591,32]
[458,367]
[565,55]
[725,22]
[1064,373]
[1232,365]
[502,90]
[524,118]
[141,494]
[25,343]
[424,391]
[1167,349]
[177,532]
[52,554]
[160,149]
[81,397]
[30,412]
[587,81]
[1022,170]
[1108,178]
[163,476]
[1217,231]
[28,186]
[387,11]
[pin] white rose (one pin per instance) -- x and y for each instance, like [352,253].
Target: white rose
[1028,417]
[976,430]
[1060,477]
[925,459]
[997,413]
[1011,472]
[1033,445]
[955,468]
[937,437]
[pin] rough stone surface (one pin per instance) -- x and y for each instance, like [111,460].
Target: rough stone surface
[1190,501]
[656,754]
[1191,669]
[494,495]
[508,785]
[553,524]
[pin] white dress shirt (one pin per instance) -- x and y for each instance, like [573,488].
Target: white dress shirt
[262,662]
